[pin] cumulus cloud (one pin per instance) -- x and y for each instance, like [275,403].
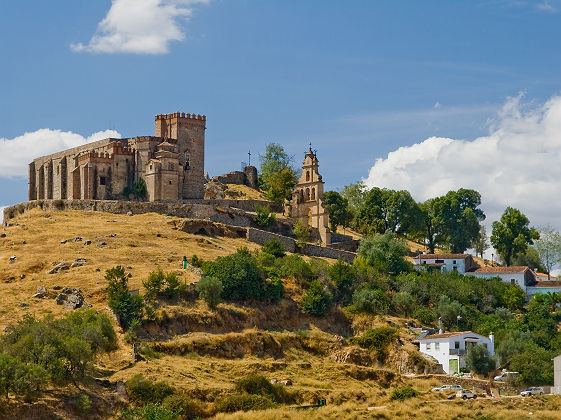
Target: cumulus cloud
[517,164]
[140,27]
[16,153]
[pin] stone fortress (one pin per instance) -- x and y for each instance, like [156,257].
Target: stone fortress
[171,163]
[99,176]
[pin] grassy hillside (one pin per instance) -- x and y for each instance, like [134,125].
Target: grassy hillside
[201,352]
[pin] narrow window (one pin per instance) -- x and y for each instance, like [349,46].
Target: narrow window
[307,193]
[101,180]
[513,282]
[307,175]
[454,262]
[313,193]
[116,163]
[58,170]
[428,346]
[187,162]
[150,166]
[456,344]
[170,183]
[437,346]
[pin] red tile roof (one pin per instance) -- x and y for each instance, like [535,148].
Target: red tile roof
[445,335]
[504,270]
[443,256]
[548,283]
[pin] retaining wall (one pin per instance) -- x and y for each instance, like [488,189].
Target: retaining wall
[328,252]
[259,236]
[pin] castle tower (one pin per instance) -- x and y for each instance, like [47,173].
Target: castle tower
[189,132]
[307,198]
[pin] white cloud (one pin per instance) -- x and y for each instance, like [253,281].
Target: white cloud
[517,164]
[16,153]
[140,27]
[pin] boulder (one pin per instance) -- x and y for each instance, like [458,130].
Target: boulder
[353,355]
[61,298]
[40,293]
[74,301]
[88,242]
[214,191]
[59,267]
[3,235]
[13,259]
[100,244]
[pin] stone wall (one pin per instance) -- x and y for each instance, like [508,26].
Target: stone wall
[259,236]
[328,252]
[247,177]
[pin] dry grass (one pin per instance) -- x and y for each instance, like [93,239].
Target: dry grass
[248,193]
[143,242]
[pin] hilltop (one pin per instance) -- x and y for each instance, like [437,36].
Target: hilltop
[202,351]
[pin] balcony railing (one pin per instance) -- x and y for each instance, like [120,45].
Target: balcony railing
[458,351]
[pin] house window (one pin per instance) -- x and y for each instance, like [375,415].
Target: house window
[437,346]
[101,180]
[455,268]
[439,261]
[456,344]
[454,262]
[428,346]
[513,282]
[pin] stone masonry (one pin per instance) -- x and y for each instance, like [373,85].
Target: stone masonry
[171,163]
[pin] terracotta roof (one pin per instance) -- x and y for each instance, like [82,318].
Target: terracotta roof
[545,276]
[503,270]
[444,335]
[548,283]
[443,256]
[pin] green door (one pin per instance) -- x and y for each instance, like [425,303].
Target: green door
[453,366]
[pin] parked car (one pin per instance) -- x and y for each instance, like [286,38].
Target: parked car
[448,388]
[507,376]
[535,390]
[465,394]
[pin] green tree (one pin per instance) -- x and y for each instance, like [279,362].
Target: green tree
[355,195]
[449,310]
[274,247]
[513,297]
[479,361]
[125,305]
[388,210]
[316,300]
[431,222]
[481,244]
[513,342]
[139,189]
[263,216]
[512,234]
[240,275]
[278,178]
[344,277]
[404,303]
[210,290]
[302,233]
[373,301]
[548,247]
[529,258]
[535,365]
[338,207]
[377,340]
[459,218]
[385,252]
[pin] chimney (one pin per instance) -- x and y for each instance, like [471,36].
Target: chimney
[492,338]
[440,330]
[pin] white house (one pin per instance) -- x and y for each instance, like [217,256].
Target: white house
[444,262]
[556,388]
[450,349]
[521,276]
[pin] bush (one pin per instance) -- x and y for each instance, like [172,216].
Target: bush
[274,289]
[403,303]
[372,301]
[296,267]
[376,340]
[210,289]
[196,261]
[260,385]
[174,287]
[403,393]
[144,391]
[385,252]
[344,277]
[150,412]
[315,300]
[302,233]
[162,284]
[240,275]
[263,217]
[245,402]
[127,307]
[185,407]
[424,315]
[83,404]
[479,361]
[274,247]
[21,379]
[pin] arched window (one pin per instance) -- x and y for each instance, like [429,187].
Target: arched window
[313,193]
[307,175]
[301,195]
[307,193]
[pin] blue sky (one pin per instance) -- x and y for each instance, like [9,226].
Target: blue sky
[358,79]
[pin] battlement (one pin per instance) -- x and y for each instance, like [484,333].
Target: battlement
[184,115]
[119,149]
[102,157]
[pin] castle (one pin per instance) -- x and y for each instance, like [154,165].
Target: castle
[171,163]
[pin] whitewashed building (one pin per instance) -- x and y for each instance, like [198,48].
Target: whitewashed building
[461,263]
[556,388]
[521,276]
[450,349]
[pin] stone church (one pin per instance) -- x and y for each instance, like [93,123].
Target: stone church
[307,204]
[171,163]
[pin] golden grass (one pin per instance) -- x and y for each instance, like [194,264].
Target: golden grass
[248,193]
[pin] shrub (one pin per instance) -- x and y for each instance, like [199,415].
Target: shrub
[296,267]
[344,277]
[154,283]
[127,307]
[239,274]
[196,261]
[385,252]
[149,412]
[403,393]
[20,378]
[424,315]
[173,286]
[315,300]
[260,385]
[144,391]
[403,303]
[263,216]
[376,340]
[274,289]
[479,361]
[83,404]
[373,301]
[210,289]
[274,247]
[245,402]
[185,407]
[302,233]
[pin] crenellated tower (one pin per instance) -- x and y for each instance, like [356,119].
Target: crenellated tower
[188,131]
